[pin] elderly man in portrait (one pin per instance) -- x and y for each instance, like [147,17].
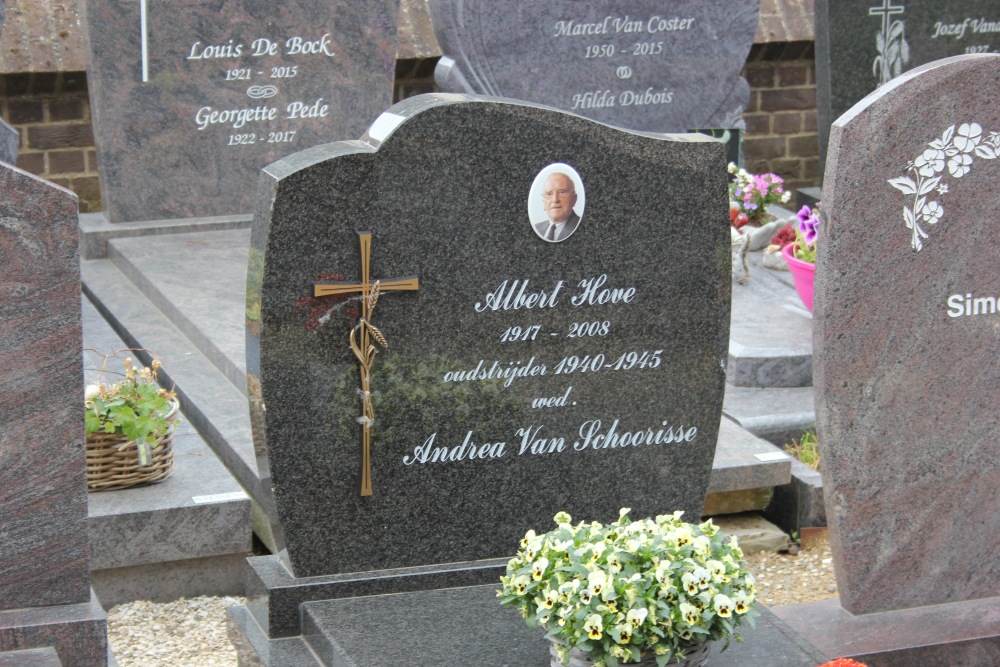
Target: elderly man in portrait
[559,198]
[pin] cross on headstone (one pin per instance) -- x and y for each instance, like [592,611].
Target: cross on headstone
[885,11]
[363,349]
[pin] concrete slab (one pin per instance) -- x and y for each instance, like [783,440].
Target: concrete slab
[184,536]
[776,414]
[754,532]
[770,341]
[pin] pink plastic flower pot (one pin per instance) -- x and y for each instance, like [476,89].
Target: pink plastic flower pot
[803,273]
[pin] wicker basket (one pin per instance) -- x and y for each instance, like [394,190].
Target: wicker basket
[110,468]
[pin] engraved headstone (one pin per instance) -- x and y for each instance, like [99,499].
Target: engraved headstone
[9,138]
[190,100]
[907,371]
[640,64]
[862,44]
[45,597]
[556,319]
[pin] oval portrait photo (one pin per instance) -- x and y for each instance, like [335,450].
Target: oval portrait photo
[555,202]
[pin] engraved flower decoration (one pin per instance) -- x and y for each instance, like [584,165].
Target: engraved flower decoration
[954,150]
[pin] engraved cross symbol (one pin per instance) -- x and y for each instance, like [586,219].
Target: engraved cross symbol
[885,11]
[361,340]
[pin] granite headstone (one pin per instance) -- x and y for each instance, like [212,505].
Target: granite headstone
[522,375]
[640,64]
[906,340]
[862,44]
[9,138]
[907,373]
[191,99]
[45,597]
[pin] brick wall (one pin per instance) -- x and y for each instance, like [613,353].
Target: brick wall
[52,113]
[781,134]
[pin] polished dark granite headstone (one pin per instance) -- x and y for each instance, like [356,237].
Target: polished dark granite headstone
[190,101]
[861,44]
[647,225]
[906,366]
[639,64]
[45,594]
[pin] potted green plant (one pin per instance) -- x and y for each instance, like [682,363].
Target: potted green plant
[129,426]
[651,591]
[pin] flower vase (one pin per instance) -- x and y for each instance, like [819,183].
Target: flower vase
[803,273]
[696,657]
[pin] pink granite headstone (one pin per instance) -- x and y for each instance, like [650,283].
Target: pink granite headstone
[45,597]
[907,340]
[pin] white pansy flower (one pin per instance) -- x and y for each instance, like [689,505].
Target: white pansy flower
[637,616]
[723,606]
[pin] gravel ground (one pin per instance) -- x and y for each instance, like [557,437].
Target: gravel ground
[192,632]
[785,579]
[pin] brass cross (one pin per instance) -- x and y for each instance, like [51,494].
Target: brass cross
[363,349]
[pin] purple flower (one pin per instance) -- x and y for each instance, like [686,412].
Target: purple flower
[804,213]
[808,223]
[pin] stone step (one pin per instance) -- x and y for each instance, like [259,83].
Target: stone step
[183,295]
[187,535]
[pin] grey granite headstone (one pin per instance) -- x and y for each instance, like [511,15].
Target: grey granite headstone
[524,376]
[862,44]
[906,367]
[45,597]
[640,64]
[190,101]
[9,138]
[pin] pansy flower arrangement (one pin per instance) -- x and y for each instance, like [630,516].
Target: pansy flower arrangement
[620,590]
